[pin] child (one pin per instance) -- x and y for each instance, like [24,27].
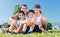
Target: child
[28,22]
[15,24]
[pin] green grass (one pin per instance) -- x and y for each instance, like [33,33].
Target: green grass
[57,34]
[31,35]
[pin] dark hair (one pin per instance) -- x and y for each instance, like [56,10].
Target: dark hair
[40,12]
[37,6]
[21,12]
[31,11]
[24,5]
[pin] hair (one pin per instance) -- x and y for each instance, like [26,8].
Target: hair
[37,6]
[21,12]
[24,5]
[40,12]
[31,11]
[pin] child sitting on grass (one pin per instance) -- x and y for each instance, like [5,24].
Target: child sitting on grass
[15,23]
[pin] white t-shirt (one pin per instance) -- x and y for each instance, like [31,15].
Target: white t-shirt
[19,22]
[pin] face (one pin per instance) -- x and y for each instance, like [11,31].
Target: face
[31,15]
[21,16]
[23,8]
[37,9]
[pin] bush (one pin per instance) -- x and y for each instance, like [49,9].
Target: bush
[49,26]
[0,26]
[7,25]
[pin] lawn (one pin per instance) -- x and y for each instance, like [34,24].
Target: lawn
[54,34]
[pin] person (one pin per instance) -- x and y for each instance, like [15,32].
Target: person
[15,25]
[41,20]
[24,9]
[29,23]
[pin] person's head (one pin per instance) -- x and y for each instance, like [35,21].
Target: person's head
[37,8]
[31,13]
[24,8]
[21,15]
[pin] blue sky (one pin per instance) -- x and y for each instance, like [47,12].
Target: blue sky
[50,8]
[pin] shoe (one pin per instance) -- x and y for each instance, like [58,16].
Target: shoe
[13,32]
[22,32]
[29,32]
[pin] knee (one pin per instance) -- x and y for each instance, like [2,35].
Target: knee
[14,22]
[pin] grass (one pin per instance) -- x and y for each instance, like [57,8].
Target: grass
[57,34]
[31,35]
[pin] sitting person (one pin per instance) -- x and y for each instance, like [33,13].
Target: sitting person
[40,19]
[16,24]
[29,22]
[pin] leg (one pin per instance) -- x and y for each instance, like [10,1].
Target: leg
[13,25]
[19,28]
[24,27]
[32,27]
[43,30]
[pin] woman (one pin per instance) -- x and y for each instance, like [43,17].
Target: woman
[39,13]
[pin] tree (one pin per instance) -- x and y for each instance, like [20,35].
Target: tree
[16,11]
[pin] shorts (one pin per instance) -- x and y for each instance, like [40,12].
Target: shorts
[37,29]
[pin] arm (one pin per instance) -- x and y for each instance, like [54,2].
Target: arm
[44,22]
[12,18]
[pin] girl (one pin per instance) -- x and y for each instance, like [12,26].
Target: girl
[40,19]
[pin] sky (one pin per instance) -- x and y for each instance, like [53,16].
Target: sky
[50,8]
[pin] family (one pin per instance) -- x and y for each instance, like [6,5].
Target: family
[29,21]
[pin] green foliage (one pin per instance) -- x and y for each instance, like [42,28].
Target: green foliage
[49,26]
[7,25]
[0,26]
[16,9]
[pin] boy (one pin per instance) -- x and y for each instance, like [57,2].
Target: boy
[14,25]
[28,22]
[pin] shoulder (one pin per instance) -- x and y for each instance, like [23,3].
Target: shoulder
[43,15]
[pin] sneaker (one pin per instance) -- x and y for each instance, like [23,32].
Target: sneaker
[22,32]
[29,32]
[13,32]
[5,31]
